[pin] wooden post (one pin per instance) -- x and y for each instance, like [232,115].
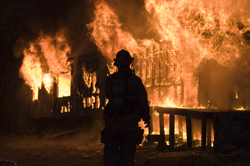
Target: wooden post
[189,132]
[55,95]
[160,63]
[180,124]
[140,58]
[171,131]
[153,60]
[150,128]
[161,143]
[204,133]
[73,93]
[147,66]
[182,91]
[167,65]
[160,72]
[175,93]
[209,124]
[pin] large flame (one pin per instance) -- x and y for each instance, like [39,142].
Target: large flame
[31,70]
[108,35]
[44,61]
[199,29]
[196,30]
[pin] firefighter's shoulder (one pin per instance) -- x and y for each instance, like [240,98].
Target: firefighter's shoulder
[136,79]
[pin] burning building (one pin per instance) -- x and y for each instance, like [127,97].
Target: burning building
[190,54]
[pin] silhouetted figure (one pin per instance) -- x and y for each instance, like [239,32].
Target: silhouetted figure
[127,104]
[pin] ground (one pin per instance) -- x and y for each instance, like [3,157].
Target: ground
[84,149]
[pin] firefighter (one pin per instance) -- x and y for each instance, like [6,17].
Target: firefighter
[127,105]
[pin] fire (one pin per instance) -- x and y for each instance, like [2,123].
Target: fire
[47,81]
[64,85]
[193,30]
[189,30]
[55,50]
[240,109]
[90,79]
[31,69]
[169,103]
[44,61]
[108,35]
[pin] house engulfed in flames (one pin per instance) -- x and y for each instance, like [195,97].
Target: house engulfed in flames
[193,64]
[64,85]
[78,92]
[77,88]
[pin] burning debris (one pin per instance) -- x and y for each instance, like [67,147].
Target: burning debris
[188,53]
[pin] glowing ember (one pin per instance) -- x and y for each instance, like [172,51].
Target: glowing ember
[240,109]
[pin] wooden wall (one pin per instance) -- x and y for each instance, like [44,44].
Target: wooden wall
[154,67]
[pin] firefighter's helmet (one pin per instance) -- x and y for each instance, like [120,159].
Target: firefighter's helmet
[123,58]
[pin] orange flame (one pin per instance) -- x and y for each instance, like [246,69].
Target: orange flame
[47,81]
[196,29]
[31,70]
[108,34]
[200,29]
[64,85]
[45,59]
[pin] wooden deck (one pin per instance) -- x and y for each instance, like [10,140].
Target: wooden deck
[205,115]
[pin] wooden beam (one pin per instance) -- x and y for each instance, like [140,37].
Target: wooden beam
[209,138]
[159,80]
[182,91]
[140,58]
[161,143]
[147,66]
[204,133]
[150,128]
[189,132]
[153,60]
[171,131]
